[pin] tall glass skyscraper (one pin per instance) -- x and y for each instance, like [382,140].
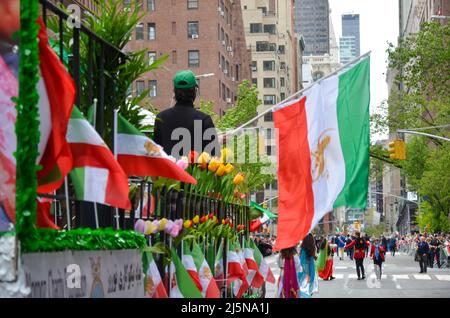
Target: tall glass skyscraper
[312,22]
[350,28]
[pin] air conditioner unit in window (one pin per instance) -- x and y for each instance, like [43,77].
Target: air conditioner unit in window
[254,69]
[223,43]
[194,36]
[219,9]
[225,71]
[229,100]
[222,13]
[230,49]
[233,79]
[220,66]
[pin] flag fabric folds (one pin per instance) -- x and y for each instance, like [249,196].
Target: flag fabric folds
[209,286]
[154,285]
[181,284]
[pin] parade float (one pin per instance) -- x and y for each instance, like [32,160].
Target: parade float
[80,220]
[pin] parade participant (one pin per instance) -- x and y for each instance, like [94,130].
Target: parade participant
[377,253]
[393,244]
[384,243]
[422,254]
[289,265]
[367,238]
[325,261]
[307,276]
[349,251]
[183,128]
[340,241]
[358,244]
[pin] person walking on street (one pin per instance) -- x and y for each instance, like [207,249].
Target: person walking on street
[359,244]
[393,244]
[289,264]
[349,251]
[325,261]
[340,241]
[384,242]
[367,238]
[423,250]
[307,276]
[377,253]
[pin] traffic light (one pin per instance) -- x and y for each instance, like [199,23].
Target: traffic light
[397,149]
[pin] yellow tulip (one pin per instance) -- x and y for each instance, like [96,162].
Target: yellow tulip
[162,224]
[226,154]
[229,168]
[150,228]
[214,163]
[196,219]
[203,159]
[187,224]
[221,170]
[239,178]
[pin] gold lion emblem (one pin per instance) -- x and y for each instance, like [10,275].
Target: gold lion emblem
[151,148]
[149,286]
[318,156]
[207,272]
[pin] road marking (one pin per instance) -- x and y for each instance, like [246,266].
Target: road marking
[338,276]
[400,277]
[340,267]
[352,276]
[445,278]
[373,276]
[422,277]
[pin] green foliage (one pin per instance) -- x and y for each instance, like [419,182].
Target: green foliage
[377,230]
[208,108]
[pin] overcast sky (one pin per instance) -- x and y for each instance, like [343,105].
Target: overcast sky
[378,25]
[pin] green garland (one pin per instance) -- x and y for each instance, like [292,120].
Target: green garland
[49,240]
[27,124]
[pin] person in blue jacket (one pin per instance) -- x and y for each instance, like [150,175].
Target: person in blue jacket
[340,241]
[423,250]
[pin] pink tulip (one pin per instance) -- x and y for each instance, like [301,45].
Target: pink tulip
[169,226]
[179,223]
[183,163]
[175,230]
[140,226]
[156,226]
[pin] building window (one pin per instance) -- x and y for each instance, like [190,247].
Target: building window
[263,46]
[281,49]
[269,150]
[194,58]
[192,4]
[283,96]
[223,92]
[151,31]
[254,66]
[282,65]
[140,87]
[282,81]
[255,81]
[270,28]
[269,132]
[140,31]
[269,99]
[152,88]
[227,68]
[174,28]
[192,28]
[269,82]
[151,57]
[269,65]
[256,27]
[174,57]
[268,117]
[151,5]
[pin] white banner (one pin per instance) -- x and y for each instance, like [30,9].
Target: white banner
[85,274]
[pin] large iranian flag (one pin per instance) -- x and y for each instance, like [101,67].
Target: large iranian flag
[209,286]
[323,151]
[263,267]
[97,176]
[181,284]
[141,156]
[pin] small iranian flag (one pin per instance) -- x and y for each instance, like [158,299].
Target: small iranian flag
[327,131]
[181,284]
[189,264]
[141,156]
[266,216]
[209,286]
[254,277]
[236,271]
[154,286]
[218,267]
[97,177]
[263,267]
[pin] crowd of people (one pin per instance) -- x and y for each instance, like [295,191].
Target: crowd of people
[301,266]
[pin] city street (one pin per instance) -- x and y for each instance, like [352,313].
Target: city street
[401,279]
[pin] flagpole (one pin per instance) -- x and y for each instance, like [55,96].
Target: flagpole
[116,111]
[297,93]
[95,125]
[66,189]
[95,113]
[96,215]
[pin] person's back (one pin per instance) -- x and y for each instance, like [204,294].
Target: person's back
[183,128]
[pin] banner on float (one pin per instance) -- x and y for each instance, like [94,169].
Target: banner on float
[85,274]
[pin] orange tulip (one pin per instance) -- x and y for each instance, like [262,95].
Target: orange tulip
[221,170]
[214,164]
[229,168]
[203,159]
[239,178]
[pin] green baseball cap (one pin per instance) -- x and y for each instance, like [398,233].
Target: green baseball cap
[185,79]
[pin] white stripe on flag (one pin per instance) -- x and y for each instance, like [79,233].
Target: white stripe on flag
[80,131]
[95,182]
[45,118]
[135,145]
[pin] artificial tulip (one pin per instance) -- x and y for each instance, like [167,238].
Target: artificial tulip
[221,170]
[203,159]
[140,226]
[196,219]
[169,226]
[223,222]
[239,178]
[193,155]
[229,168]
[214,163]
[203,219]
[187,224]
[156,225]
[150,228]
[175,231]
[183,163]
[242,196]
[179,223]
[162,224]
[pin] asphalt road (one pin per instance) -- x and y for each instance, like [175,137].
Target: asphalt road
[401,279]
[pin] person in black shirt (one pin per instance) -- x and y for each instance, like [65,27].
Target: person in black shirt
[182,128]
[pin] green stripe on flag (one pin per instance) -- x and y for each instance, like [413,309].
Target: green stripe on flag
[184,281]
[125,127]
[265,211]
[354,129]
[77,176]
[198,256]
[256,252]
[76,114]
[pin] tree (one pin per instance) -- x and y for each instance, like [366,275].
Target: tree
[421,99]
[376,230]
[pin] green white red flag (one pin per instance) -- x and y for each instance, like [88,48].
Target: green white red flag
[218,267]
[189,264]
[97,176]
[209,286]
[154,285]
[236,270]
[181,284]
[254,277]
[141,156]
[323,151]
[263,267]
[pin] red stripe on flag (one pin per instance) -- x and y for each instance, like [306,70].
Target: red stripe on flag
[61,95]
[86,155]
[153,167]
[296,200]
